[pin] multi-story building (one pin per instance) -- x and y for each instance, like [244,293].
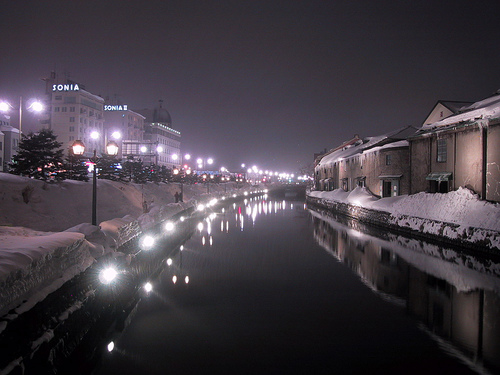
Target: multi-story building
[163,142]
[125,127]
[75,114]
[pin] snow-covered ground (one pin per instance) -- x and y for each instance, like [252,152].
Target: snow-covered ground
[471,217]
[46,238]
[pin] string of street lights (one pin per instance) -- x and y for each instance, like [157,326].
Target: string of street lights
[202,164]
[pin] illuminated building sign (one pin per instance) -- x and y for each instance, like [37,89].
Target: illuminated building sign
[115,107]
[66,87]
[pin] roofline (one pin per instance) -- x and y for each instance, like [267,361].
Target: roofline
[443,103]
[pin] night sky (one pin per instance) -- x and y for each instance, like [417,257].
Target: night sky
[260,82]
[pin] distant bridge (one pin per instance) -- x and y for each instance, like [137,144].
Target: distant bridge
[288,191]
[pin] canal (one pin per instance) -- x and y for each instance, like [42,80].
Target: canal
[271,287]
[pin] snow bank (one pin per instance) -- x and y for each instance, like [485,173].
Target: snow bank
[44,240]
[37,265]
[458,215]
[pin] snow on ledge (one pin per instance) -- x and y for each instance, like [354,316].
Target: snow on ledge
[33,267]
[458,214]
[461,207]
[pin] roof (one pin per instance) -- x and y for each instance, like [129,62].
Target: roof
[488,108]
[453,106]
[393,138]
[158,114]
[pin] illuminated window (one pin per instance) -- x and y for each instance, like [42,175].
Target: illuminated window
[441,150]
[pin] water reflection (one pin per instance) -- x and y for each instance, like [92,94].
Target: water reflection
[260,294]
[454,295]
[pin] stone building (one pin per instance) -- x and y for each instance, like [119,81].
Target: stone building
[460,150]
[378,163]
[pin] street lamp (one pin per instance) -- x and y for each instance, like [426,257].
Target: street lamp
[78,149]
[32,105]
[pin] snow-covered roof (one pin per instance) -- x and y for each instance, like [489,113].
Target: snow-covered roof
[8,128]
[484,109]
[388,140]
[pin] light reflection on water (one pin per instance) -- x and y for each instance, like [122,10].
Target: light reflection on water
[265,295]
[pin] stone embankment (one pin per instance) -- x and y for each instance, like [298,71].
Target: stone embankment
[480,240]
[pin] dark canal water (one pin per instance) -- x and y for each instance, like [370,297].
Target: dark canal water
[272,287]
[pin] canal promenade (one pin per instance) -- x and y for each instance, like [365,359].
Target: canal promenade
[50,288]
[46,240]
[457,218]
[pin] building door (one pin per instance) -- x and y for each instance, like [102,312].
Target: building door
[386,188]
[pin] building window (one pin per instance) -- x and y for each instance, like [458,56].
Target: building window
[58,97]
[56,109]
[71,129]
[71,119]
[441,150]
[64,109]
[72,109]
[388,159]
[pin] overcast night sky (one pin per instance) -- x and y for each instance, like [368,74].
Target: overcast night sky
[260,82]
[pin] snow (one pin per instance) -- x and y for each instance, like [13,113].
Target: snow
[471,218]
[392,139]
[45,237]
[488,108]
[461,207]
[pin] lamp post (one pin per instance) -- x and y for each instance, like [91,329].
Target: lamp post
[78,149]
[33,105]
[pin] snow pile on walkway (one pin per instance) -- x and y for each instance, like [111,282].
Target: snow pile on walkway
[32,268]
[45,237]
[461,207]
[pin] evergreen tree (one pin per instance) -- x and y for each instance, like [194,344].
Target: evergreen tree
[108,167]
[76,168]
[39,156]
[153,172]
[135,171]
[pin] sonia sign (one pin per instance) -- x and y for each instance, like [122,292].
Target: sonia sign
[66,87]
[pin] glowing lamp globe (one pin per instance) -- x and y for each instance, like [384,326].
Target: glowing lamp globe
[78,147]
[112,148]
[37,107]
